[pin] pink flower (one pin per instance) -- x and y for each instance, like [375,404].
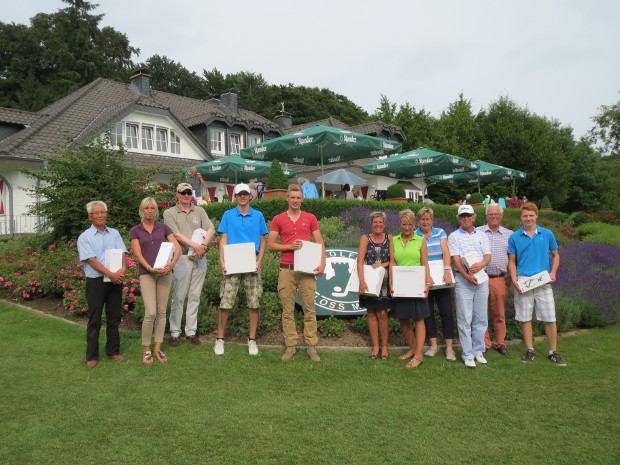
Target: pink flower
[28,248]
[133,289]
[71,307]
[125,289]
[72,244]
[84,309]
[134,280]
[33,259]
[69,295]
[26,296]
[1,279]
[51,247]
[64,285]
[8,284]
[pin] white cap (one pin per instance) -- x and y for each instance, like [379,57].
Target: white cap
[465,209]
[242,188]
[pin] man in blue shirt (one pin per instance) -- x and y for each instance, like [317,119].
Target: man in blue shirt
[528,254]
[92,245]
[240,225]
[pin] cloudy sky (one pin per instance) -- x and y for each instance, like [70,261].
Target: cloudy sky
[558,58]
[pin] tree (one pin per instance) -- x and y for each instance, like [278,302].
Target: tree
[607,129]
[460,132]
[79,175]
[170,76]
[57,54]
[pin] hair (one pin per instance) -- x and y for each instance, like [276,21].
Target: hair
[486,210]
[530,206]
[252,185]
[346,187]
[293,188]
[378,214]
[147,201]
[90,205]
[407,214]
[425,211]
[301,180]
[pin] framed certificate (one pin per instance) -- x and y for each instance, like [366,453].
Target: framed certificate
[240,258]
[308,258]
[408,281]
[527,283]
[165,254]
[436,268]
[113,261]
[372,276]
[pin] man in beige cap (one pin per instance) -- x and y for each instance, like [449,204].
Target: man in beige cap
[189,272]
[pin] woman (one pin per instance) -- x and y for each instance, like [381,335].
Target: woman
[437,246]
[348,195]
[253,190]
[408,249]
[146,238]
[374,250]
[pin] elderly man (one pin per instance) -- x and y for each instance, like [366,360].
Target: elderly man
[189,273]
[92,245]
[471,295]
[240,225]
[196,181]
[291,228]
[498,275]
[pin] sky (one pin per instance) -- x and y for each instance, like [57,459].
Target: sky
[557,58]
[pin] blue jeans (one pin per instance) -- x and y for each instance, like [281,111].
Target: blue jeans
[471,315]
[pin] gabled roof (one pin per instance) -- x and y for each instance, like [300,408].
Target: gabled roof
[18,117]
[331,121]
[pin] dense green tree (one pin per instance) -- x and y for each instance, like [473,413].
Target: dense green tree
[170,76]
[57,54]
[460,132]
[607,129]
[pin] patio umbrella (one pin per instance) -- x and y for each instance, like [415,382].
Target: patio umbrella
[235,169]
[341,176]
[419,163]
[319,146]
[487,172]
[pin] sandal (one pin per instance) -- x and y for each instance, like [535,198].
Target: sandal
[385,356]
[450,355]
[431,352]
[147,357]
[374,355]
[161,356]
[412,364]
[406,356]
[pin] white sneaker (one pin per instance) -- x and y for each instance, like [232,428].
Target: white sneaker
[480,359]
[252,347]
[470,363]
[218,348]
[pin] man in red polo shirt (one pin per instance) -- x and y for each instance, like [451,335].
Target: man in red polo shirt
[292,227]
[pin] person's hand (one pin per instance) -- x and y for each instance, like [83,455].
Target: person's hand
[363,287]
[476,267]
[296,244]
[472,279]
[318,271]
[376,265]
[259,264]
[117,277]
[553,277]
[447,277]
[223,268]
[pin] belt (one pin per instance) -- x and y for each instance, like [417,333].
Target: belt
[501,275]
[286,267]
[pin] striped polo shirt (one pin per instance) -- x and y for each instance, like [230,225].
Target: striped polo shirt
[433,244]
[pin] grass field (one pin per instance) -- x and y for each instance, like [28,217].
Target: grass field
[348,409]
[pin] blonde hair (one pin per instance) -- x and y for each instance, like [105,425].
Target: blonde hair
[293,188]
[425,211]
[407,213]
[145,202]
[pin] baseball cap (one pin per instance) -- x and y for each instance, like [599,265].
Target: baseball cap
[184,186]
[242,188]
[465,210]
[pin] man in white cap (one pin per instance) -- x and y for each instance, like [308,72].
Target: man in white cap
[240,225]
[189,273]
[471,295]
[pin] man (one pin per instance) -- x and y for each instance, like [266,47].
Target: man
[528,254]
[427,200]
[356,194]
[189,273]
[498,274]
[196,181]
[239,225]
[292,227]
[92,245]
[471,296]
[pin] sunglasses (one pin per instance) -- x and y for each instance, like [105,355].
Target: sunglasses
[186,192]
[466,215]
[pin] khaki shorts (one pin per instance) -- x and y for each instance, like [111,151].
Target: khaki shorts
[230,285]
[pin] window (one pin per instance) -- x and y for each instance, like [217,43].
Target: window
[253,140]
[217,141]
[132,136]
[235,144]
[116,137]
[175,143]
[147,138]
[162,140]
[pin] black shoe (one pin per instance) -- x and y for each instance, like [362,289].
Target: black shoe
[555,358]
[529,356]
[194,340]
[502,350]
[174,342]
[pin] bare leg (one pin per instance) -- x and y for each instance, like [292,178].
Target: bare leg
[551,329]
[526,328]
[384,331]
[405,326]
[222,321]
[373,328]
[254,317]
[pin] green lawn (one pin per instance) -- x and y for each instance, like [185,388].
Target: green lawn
[348,409]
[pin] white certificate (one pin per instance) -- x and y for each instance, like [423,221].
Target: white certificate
[197,236]
[240,258]
[527,283]
[408,281]
[165,254]
[308,258]
[467,261]
[436,268]
[113,261]
[373,278]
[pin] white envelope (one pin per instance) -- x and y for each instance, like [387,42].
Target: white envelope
[373,278]
[436,269]
[240,258]
[308,258]
[408,281]
[164,255]
[113,261]
[481,276]
[197,236]
[527,283]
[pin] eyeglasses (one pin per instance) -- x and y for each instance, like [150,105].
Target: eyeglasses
[466,215]
[243,193]
[186,192]
[99,213]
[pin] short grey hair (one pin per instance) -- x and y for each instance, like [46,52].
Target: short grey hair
[486,210]
[90,205]
[374,215]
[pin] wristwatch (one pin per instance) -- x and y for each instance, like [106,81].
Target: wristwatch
[447,267]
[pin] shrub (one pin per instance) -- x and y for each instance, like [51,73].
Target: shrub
[476,197]
[546,203]
[395,191]
[331,326]
[276,178]
[599,233]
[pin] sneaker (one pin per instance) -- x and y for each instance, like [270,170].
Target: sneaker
[252,347]
[194,340]
[450,355]
[312,354]
[290,351]
[555,358]
[175,342]
[529,356]
[481,360]
[431,352]
[469,363]
[502,350]
[218,348]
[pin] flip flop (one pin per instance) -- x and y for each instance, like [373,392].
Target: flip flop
[406,356]
[161,356]
[147,357]
[412,361]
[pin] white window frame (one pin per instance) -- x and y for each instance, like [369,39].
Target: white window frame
[116,135]
[132,135]
[161,139]
[146,131]
[175,143]
[254,139]
[236,143]
[217,141]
